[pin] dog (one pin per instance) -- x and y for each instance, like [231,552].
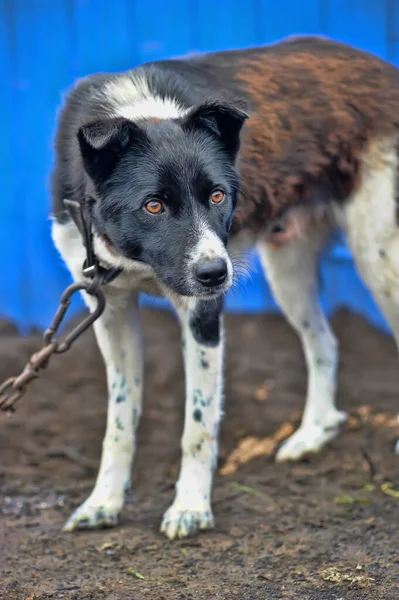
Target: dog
[184,165]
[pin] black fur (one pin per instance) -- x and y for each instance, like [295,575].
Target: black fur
[197,415]
[205,322]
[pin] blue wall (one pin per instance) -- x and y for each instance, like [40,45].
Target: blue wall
[46,44]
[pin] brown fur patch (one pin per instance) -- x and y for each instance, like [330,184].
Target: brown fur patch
[315,106]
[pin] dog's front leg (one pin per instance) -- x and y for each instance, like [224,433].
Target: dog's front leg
[203,354]
[118,336]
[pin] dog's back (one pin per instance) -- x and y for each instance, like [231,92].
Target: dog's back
[315,106]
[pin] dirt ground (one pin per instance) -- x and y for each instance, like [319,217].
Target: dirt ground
[322,529]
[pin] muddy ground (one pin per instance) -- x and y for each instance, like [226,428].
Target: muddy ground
[322,529]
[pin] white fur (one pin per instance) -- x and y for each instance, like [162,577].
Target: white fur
[372,231]
[208,247]
[133,100]
[369,221]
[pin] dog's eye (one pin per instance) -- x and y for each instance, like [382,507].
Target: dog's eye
[217,196]
[155,207]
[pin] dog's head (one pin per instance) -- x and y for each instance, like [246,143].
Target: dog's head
[165,192]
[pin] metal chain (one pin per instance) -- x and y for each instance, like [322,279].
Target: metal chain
[15,387]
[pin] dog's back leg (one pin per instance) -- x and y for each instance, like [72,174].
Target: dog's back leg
[371,223]
[291,270]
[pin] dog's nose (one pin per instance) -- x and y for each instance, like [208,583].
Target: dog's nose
[211,273]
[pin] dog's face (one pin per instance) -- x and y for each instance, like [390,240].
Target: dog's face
[165,192]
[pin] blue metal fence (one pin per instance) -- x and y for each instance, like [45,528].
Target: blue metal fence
[46,44]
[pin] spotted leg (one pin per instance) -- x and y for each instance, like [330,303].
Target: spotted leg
[291,270]
[117,333]
[203,352]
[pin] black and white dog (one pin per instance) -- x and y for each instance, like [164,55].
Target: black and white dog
[175,181]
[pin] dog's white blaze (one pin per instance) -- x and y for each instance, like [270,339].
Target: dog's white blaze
[210,247]
[191,509]
[133,100]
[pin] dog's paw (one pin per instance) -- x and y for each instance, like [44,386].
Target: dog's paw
[93,515]
[311,438]
[183,523]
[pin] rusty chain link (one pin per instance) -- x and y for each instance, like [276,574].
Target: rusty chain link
[15,387]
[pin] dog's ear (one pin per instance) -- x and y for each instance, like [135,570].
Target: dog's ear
[224,120]
[102,143]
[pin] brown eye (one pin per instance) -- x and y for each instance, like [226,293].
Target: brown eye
[155,207]
[217,196]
